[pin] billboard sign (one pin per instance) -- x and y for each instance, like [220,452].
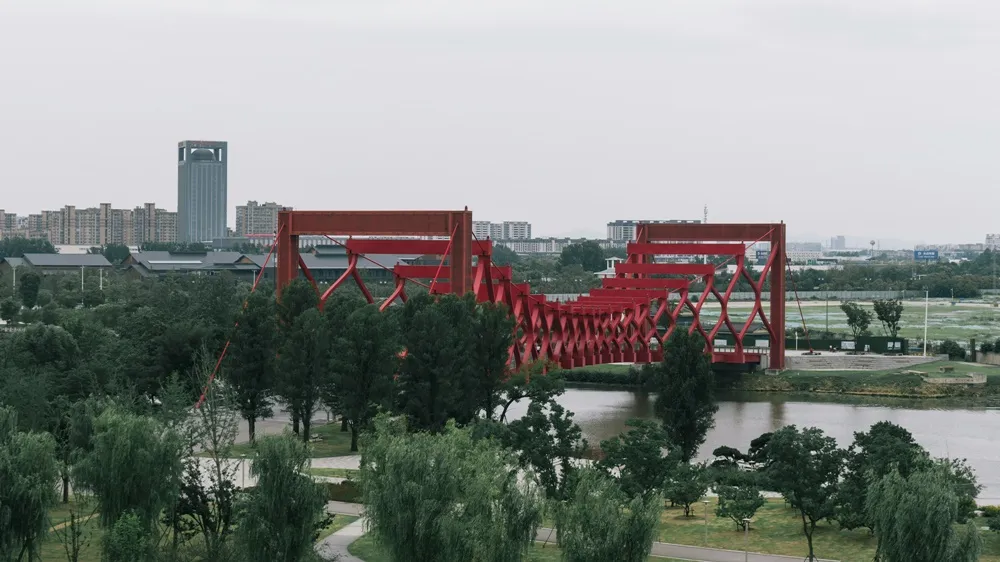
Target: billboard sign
[925,255]
[762,256]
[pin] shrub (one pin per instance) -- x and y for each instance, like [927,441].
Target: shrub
[990,510]
[952,349]
[642,377]
[346,491]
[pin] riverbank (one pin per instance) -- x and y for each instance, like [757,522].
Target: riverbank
[894,383]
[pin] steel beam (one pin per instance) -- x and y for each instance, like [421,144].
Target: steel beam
[649,283]
[685,249]
[665,268]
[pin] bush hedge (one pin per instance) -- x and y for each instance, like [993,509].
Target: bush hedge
[641,377]
[346,491]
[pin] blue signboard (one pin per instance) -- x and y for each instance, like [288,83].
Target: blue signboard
[762,256]
[925,255]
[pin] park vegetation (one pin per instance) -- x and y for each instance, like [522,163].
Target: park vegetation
[98,395]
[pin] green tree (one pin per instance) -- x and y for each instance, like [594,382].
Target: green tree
[805,467]
[587,254]
[884,448]
[8,310]
[600,522]
[364,367]
[128,540]
[28,287]
[638,458]
[503,255]
[446,497]
[914,519]
[964,483]
[114,253]
[17,246]
[134,464]
[28,471]
[296,298]
[738,503]
[304,366]
[686,402]
[685,484]
[250,363]
[889,312]
[440,346]
[208,492]
[279,516]
[493,329]
[858,318]
[547,440]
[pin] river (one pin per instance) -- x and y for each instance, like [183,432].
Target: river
[945,429]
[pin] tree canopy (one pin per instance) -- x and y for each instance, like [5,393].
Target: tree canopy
[685,401]
[446,497]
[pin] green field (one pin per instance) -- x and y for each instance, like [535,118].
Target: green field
[944,321]
[896,382]
[777,529]
[53,549]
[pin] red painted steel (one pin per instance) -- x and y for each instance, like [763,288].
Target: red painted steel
[626,320]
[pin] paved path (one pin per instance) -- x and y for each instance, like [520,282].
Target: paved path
[334,547]
[349,462]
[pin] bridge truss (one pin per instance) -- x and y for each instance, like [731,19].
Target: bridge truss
[627,319]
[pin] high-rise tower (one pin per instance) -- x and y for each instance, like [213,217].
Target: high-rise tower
[201,190]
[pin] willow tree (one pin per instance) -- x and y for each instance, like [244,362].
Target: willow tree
[446,497]
[280,515]
[28,473]
[914,519]
[600,522]
[134,464]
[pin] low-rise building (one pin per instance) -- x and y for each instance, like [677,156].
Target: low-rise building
[325,263]
[47,264]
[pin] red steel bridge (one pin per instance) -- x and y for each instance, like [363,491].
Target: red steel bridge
[618,322]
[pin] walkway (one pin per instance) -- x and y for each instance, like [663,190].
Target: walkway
[334,547]
[352,532]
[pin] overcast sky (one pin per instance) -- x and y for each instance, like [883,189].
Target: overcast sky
[868,118]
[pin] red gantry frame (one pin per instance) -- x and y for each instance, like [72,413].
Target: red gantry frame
[619,322]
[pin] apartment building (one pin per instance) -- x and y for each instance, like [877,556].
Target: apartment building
[256,218]
[625,230]
[506,230]
[94,226]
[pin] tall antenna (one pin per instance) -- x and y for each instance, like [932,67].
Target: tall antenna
[704,217]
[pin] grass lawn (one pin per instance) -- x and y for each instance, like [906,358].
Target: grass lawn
[53,549]
[335,472]
[328,441]
[778,530]
[339,522]
[366,549]
[607,368]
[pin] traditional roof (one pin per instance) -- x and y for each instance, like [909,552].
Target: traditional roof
[65,260]
[163,262]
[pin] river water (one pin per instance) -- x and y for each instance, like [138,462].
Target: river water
[945,429]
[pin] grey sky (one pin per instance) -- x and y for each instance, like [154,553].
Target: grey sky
[878,119]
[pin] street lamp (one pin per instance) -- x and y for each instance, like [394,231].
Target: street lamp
[706,521]
[746,539]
